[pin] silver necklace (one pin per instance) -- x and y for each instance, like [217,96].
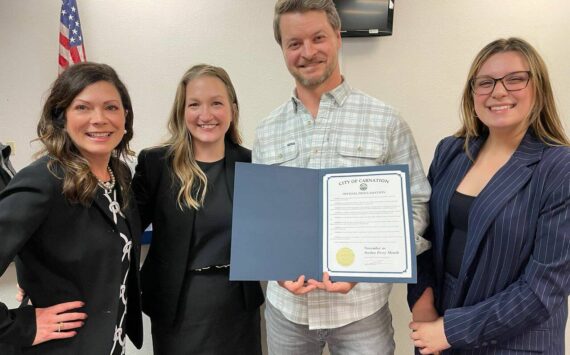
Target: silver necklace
[107,186]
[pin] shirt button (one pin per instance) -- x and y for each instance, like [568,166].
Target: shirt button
[316,151]
[359,148]
[280,156]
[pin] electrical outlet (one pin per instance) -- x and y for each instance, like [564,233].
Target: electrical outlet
[12,145]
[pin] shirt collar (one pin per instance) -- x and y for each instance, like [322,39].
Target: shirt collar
[338,94]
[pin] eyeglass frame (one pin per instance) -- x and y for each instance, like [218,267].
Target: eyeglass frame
[472,82]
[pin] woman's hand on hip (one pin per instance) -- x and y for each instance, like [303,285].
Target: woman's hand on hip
[57,322]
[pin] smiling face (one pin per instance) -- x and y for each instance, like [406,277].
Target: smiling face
[310,47]
[95,121]
[503,110]
[208,114]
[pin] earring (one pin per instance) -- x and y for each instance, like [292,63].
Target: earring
[126,131]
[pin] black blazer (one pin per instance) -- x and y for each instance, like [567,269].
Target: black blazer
[164,269]
[68,252]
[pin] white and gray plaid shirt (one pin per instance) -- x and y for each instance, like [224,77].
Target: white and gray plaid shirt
[351,129]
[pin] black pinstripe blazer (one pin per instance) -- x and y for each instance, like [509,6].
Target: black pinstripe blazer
[511,295]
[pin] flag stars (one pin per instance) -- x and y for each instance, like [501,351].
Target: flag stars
[70,27]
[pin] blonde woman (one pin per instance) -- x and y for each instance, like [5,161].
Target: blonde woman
[185,189]
[498,278]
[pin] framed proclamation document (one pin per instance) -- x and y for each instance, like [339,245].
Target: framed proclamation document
[354,223]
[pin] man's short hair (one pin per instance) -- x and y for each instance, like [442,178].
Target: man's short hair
[286,6]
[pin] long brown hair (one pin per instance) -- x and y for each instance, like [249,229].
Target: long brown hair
[543,117]
[79,184]
[193,181]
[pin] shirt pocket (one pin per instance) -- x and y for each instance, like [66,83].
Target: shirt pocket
[360,154]
[283,154]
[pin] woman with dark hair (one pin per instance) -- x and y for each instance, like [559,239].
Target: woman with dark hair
[498,276]
[185,189]
[69,219]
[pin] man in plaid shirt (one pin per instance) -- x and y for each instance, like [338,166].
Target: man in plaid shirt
[328,124]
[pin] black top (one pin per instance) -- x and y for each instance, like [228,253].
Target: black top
[210,245]
[458,217]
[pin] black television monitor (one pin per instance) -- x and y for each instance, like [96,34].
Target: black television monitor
[365,18]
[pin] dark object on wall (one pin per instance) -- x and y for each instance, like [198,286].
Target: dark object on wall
[370,18]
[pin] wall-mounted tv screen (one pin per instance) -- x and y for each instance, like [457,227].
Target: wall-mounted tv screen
[364,18]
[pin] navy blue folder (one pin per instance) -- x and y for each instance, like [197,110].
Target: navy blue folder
[277,223]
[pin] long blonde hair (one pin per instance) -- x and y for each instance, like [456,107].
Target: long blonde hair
[79,184]
[193,182]
[543,117]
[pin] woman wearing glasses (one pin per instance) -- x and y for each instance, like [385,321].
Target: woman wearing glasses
[498,276]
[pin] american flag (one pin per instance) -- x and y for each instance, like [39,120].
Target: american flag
[71,49]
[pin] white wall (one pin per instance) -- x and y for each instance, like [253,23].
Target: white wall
[421,69]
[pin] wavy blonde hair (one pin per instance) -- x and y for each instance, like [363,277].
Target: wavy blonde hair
[79,183]
[193,182]
[543,117]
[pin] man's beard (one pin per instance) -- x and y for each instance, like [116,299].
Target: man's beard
[313,82]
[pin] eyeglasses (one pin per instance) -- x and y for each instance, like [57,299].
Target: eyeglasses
[484,85]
